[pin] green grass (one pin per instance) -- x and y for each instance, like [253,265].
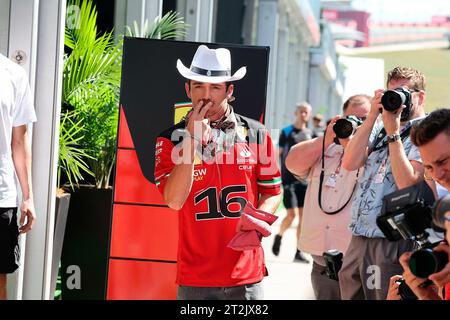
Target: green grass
[433,63]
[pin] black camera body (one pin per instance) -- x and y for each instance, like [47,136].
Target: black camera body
[425,261]
[404,291]
[392,100]
[345,127]
[333,263]
[406,214]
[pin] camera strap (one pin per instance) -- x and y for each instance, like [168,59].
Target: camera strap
[382,135]
[322,175]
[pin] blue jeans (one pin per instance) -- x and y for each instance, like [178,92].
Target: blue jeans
[252,291]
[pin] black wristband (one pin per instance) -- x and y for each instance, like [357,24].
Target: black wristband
[393,138]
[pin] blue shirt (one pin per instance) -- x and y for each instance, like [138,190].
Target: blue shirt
[367,201]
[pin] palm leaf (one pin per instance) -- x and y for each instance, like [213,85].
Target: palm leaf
[81,23]
[94,61]
[88,69]
[71,156]
[170,26]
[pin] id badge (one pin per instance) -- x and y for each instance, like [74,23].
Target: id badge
[331,181]
[379,178]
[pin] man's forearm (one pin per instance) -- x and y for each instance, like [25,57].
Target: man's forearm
[304,155]
[356,151]
[405,175]
[269,203]
[21,154]
[179,183]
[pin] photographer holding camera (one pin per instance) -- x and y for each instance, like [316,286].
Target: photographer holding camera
[432,137]
[390,162]
[326,218]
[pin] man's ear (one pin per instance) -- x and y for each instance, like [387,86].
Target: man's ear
[422,95]
[230,91]
[188,89]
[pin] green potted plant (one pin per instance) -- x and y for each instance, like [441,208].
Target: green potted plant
[91,81]
[72,156]
[72,165]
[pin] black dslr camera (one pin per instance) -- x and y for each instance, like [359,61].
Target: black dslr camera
[333,263]
[404,291]
[392,100]
[345,127]
[406,214]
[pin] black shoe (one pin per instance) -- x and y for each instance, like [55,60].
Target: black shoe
[276,245]
[299,257]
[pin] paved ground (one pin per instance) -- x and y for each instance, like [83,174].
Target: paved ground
[287,280]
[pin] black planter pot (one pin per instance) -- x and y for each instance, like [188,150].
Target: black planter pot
[84,257]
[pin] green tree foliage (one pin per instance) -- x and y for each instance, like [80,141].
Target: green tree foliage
[91,85]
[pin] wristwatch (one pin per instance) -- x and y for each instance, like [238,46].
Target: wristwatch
[393,138]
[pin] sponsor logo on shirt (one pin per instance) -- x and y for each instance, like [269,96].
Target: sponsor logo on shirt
[245,157]
[199,174]
[245,153]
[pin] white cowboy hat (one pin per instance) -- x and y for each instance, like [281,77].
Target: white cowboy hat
[211,66]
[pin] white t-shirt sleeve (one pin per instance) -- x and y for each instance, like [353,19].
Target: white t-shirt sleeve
[23,112]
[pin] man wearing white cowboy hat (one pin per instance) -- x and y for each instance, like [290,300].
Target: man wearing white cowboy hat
[210,195]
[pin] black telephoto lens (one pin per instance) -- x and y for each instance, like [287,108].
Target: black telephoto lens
[425,262]
[439,209]
[392,100]
[343,128]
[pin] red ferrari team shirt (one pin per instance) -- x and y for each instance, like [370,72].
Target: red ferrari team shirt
[220,190]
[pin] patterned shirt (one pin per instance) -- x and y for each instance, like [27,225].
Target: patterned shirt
[369,194]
